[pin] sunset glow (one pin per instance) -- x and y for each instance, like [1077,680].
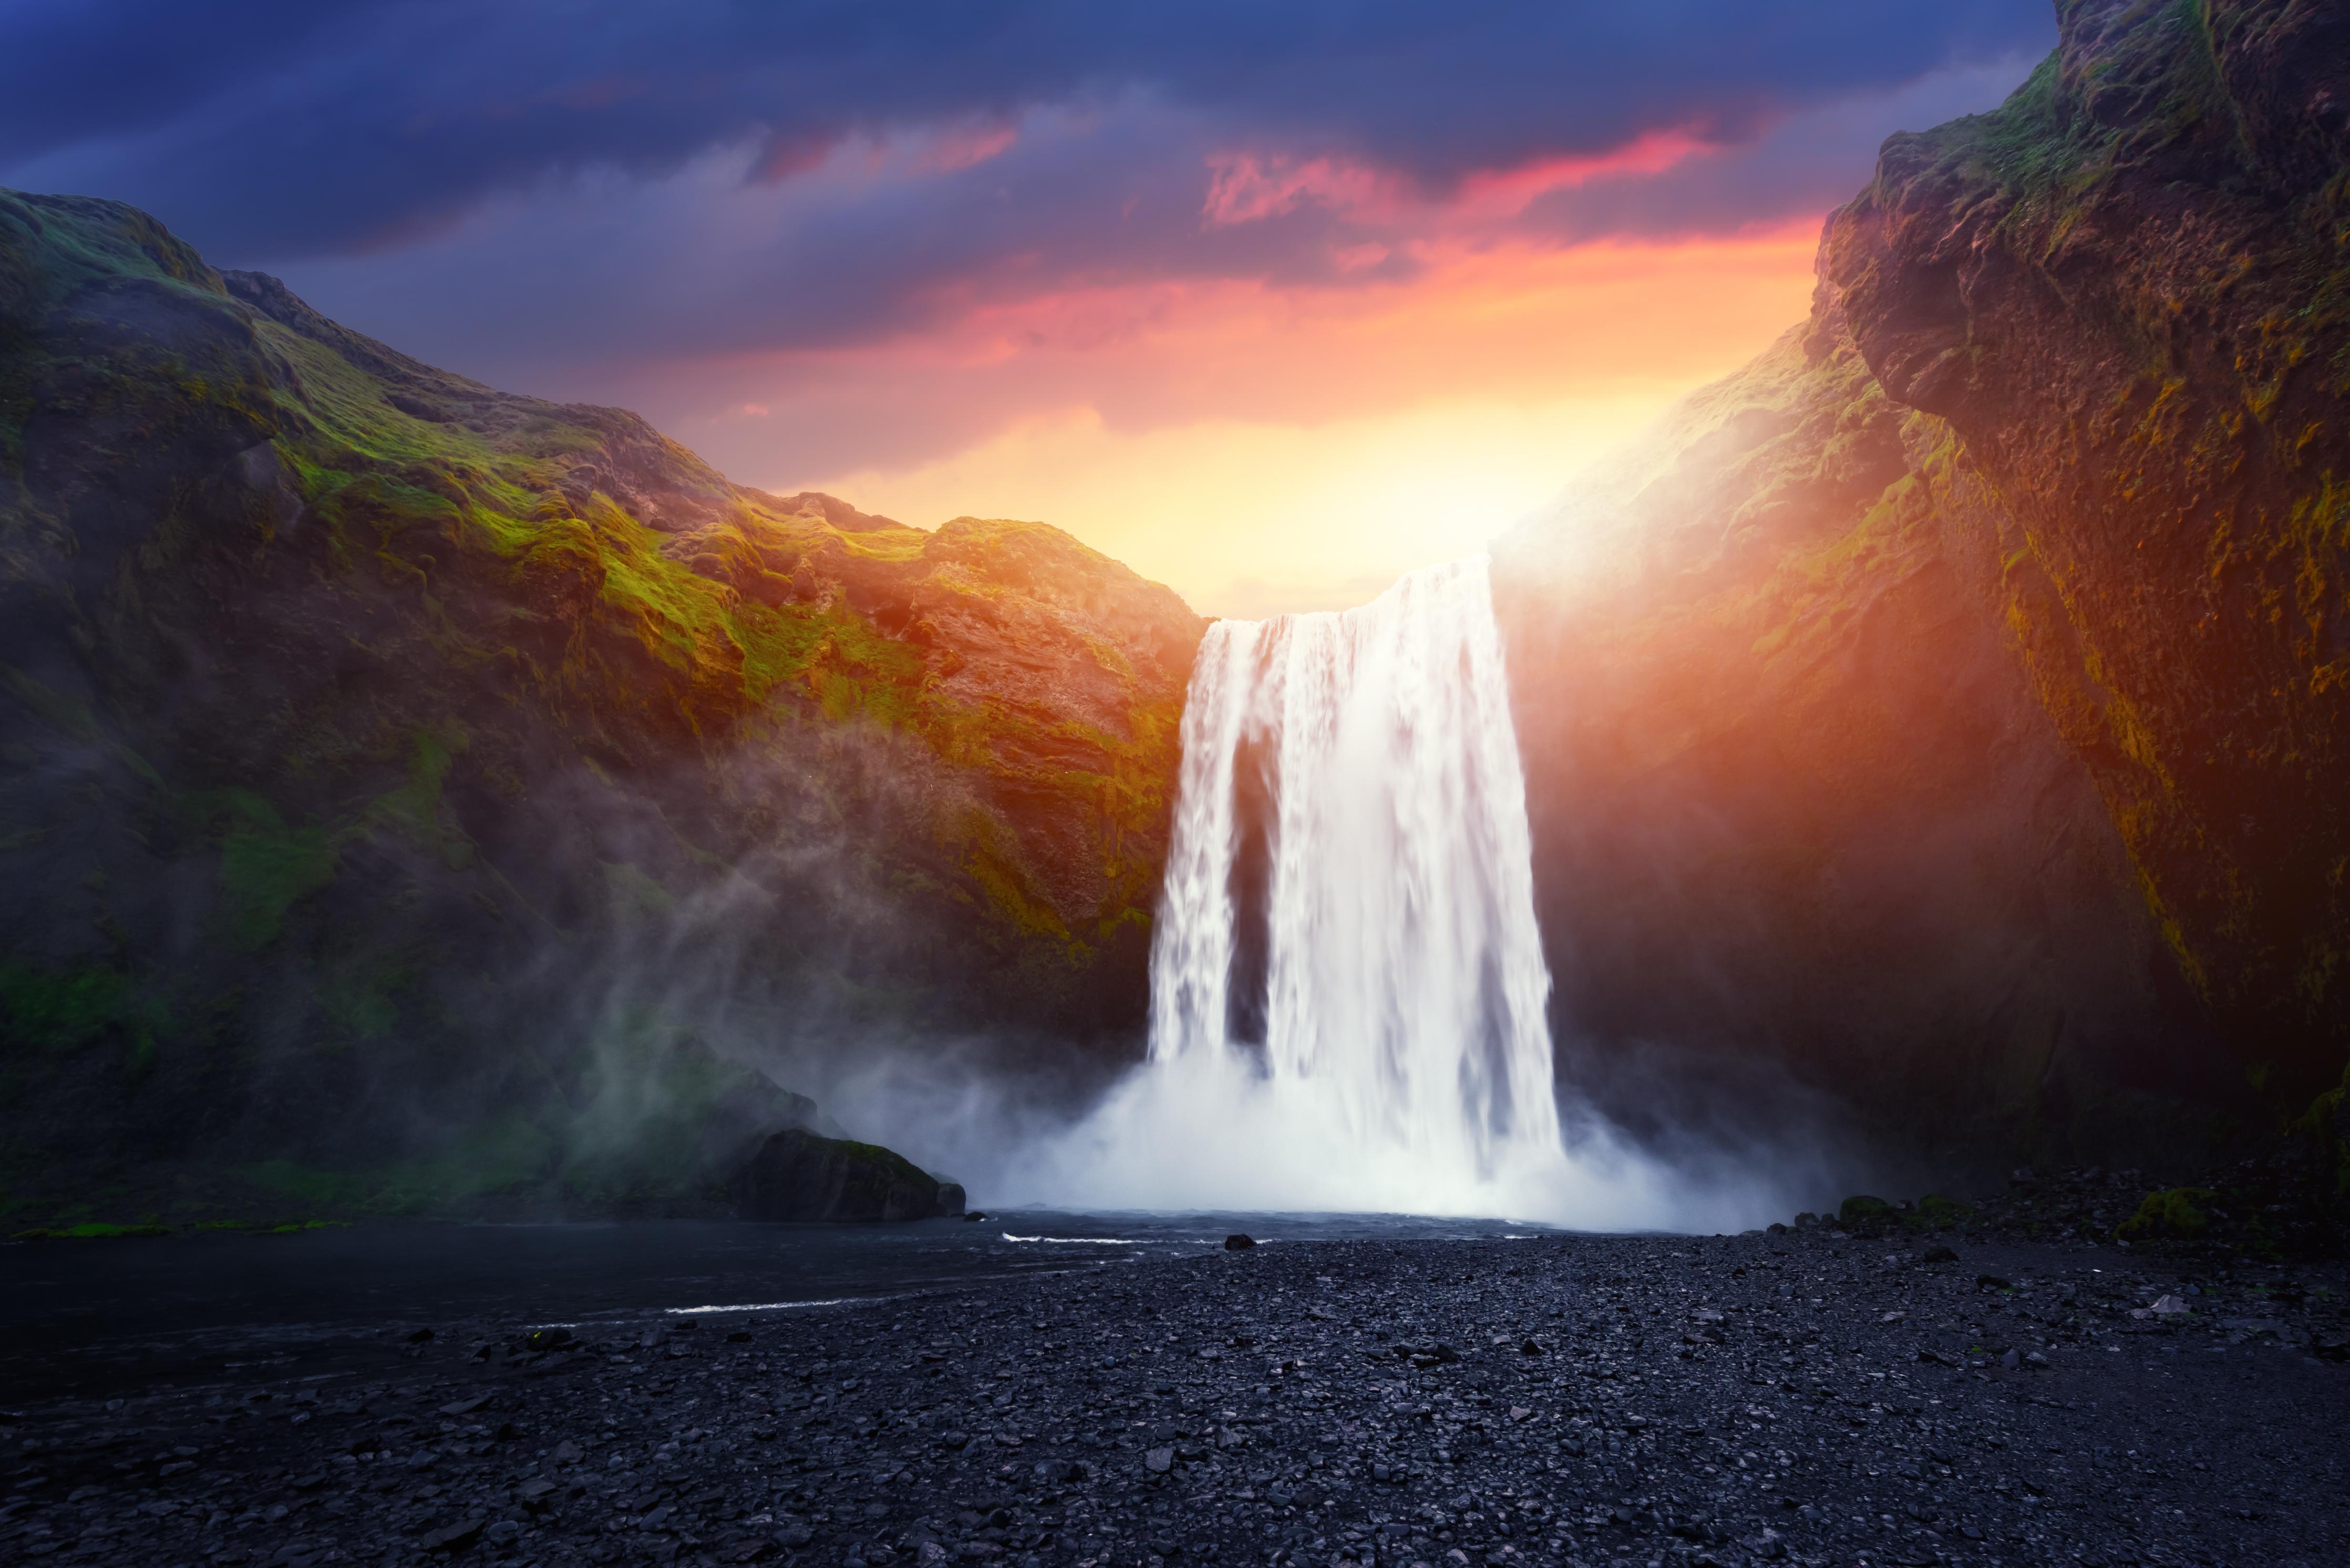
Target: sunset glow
[1267,451]
[1269,323]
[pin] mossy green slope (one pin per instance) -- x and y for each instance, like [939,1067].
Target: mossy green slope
[384,757]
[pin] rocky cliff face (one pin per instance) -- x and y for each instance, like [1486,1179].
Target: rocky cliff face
[406,787]
[1793,800]
[1950,705]
[2128,293]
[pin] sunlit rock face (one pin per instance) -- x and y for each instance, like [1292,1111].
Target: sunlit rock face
[399,771]
[2128,292]
[1947,704]
[1794,803]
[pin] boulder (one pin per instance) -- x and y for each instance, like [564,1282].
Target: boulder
[800,1175]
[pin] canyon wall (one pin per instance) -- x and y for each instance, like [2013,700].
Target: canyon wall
[407,788]
[1946,709]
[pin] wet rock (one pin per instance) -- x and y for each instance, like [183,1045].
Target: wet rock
[989,1427]
[1236,1243]
[797,1174]
[452,1537]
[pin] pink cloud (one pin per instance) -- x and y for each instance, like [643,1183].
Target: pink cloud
[966,148]
[1244,187]
[1505,192]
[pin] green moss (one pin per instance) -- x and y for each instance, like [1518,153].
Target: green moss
[1936,1212]
[2174,1213]
[415,808]
[69,1009]
[1865,1216]
[2325,1124]
[360,994]
[509,1152]
[471,615]
[94,1230]
[988,862]
[266,868]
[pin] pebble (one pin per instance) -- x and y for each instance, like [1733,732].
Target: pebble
[1593,1401]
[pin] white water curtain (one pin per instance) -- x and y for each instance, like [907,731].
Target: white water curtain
[1404,975]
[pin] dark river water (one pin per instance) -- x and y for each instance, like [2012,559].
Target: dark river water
[91,1317]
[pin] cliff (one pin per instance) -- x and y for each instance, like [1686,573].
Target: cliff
[1796,812]
[410,791]
[1947,708]
[2127,292]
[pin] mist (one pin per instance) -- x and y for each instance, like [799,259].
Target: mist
[1349,999]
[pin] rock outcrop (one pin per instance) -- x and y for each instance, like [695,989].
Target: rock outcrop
[408,791]
[1948,707]
[2127,292]
[1795,804]
[797,1174]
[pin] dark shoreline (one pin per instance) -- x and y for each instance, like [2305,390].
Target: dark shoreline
[1318,1400]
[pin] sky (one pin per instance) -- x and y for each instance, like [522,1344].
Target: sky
[1272,300]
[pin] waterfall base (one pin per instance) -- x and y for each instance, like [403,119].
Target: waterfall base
[1347,987]
[1211,1131]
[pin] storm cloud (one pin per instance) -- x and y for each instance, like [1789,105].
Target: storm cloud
[271,132]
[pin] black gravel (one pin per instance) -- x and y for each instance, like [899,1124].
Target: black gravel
[1645,1400]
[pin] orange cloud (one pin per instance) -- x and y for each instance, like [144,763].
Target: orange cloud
[1508,322]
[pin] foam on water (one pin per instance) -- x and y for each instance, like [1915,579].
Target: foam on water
[1347,982]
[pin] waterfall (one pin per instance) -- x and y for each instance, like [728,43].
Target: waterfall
[1347,985]
[1366,761]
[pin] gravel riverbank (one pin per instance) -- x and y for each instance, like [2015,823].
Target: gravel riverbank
[1547,1400]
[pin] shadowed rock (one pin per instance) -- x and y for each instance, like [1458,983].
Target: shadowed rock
[797,1174]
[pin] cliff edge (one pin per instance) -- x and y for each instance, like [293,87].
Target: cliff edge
[411,792]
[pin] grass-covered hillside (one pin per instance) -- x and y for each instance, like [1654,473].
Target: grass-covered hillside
[411,792]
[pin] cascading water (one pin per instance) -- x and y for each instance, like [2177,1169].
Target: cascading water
[1347,985]
[1402,975]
